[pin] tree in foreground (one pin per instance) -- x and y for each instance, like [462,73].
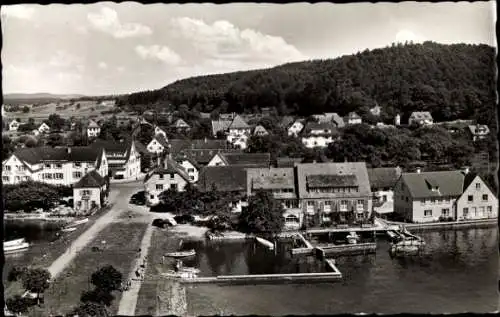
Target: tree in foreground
[89,309]
[107,279]
[18,305]
[97,296]
[36,281]
[264,215]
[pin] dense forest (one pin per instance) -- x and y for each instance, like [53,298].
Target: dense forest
[451,81]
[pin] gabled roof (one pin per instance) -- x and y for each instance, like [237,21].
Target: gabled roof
[449,183]
[161,139]
[91,180]
[177,145]
[224,178]
[383,177]
[112,146]
[421,115]
[353,115]
[169,166]
[319,126]
[257,159]
[74,154]
[479,129]
[179,123]
[470,177]
[220,125]
[331,175]
[286,121]
[259,129]
[187,157]
[271,178]
[288,161]
[140,147]
[238,123]
[92,124]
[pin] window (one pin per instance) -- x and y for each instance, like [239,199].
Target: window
[172,176]
[478,185]
[481,211]
[485,197]
[489,209]
[470,198]
[7,167]
[474,211]
[18,178]
[159,186]
[160,176]
[86,192]
[466,212]
[428,213]
[78,164]
[327,206]
[445,212]
[58,166]
[384,198]
[191,177]
[151,196]
[5,178]
[343,205]
[433,201]
[190,170]
[58,176]
[173,186]
[77,174]
[47,165]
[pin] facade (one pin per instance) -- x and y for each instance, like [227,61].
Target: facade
[90,192]
[190,166]
[479,131]
[234,127]
[318,134]
[382,182]
[353,118]
[181,126]
[397,120]
[296,128]
[55,166]
[260,131]
[420,118]
[334,192]
[170,175]
[247,159]
[93,129]
[14,125]
[281,183]
[43,128]
[445,195]
[157,145]
[123,158]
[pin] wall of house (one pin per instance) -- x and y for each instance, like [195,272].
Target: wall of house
[320,207]
[478,208]
[152,191]
[216,161]
[317,141]
[93,132]
[155,147]
[133,165]
[80,204]
[436,206]
[13,126]
[294,218]
[387,198]
[295,129]
[190,170]
[403,204]
[14,171]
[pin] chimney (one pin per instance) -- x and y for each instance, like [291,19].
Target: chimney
[205,140]
[466,170]
[418,170]
[69,150]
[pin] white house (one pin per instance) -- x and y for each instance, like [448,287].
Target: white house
[157,145]
[90,192]
[420,118]
[14,125]
[382,182]
[240,142]
[190,166]
[478,200]
[479,131]
[93,129]
[318,134]
[353,118]
[181,126]
[237,129]
[260,130]
[56,166]
[123,157]
[43,128]
[170,175]
[161,131]
[296,127]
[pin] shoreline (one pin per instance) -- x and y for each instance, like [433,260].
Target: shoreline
[17,217]
[480,223]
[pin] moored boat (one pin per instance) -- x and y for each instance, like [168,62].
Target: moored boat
[265,242]
[16,247]
[68,229]
[78,222]
[352,238]
[13,242]
[181,254]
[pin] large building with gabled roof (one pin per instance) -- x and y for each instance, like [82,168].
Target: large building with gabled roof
[123,158]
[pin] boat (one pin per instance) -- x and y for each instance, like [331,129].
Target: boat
[16,247]
[181,254]
[180,275]
[266,243]
[78,222]
[68,229]
[13,242]
[352,238]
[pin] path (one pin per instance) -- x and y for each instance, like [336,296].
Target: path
[129,297]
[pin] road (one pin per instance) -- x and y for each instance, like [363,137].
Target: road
[119,197]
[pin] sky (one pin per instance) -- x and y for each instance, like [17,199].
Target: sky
[109,48]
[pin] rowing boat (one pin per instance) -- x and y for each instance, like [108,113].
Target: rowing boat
[68,229]
[16,247]
[13,242]
[78,222]
[181,254]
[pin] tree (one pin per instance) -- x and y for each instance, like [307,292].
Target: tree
[107,278]
[55,122]
[264,215]
[28,196]
[36,281]
[26,109]
[55,139]
[89,309]
[16,273]
[18,304]
[98,296]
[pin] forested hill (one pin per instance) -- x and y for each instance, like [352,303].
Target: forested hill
[452,81]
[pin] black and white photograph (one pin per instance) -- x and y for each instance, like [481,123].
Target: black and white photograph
[240,158]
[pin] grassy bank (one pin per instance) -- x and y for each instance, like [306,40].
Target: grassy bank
[119,250]
[153,286]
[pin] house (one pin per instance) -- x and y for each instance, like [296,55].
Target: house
[353,118]
[260,131]
[201,150]
[190,165]
[169,175]
[240,142]
[330,117]
[428,196]
[220,126]
[420,118]
[288,161]
[286,121]
[318,134]
[158,144]
[382,182]
[296,127]
[43,128]
[246,159]
[281,183]
[180,126]
[237,129]
[90,192]
[479,131]
[478,200]
[376,110]
[123,158]
[56,166]
[14,125]
[231,180]
[93,129]
[334,192]
[162,131]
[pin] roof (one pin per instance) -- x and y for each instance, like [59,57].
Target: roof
[203,156]
[169,166]
[353,115]
[286,121]
[479,129]
[224,178]
[449,183]
[93,124]
[288,161]
[335,118]
[140,147]
[470,177]
[72,154]
[257,159]
[177,145]
[179,123]
[161,139]
[331,175]
[91,180]
[112,146]
[220,125]
[421,115]
[271,178]
[187,157]
[383,177]
[259,129]
[319,126]
[238,123]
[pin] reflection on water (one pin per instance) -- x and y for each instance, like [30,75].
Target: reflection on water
[458,272]
[32,230]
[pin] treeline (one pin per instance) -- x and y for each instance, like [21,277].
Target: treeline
[451,81]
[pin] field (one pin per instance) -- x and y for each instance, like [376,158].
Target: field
[120,249]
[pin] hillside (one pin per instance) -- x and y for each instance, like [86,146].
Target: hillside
[452,81]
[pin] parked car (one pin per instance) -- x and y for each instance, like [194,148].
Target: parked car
[183,219]
[138,198]
[160,223]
